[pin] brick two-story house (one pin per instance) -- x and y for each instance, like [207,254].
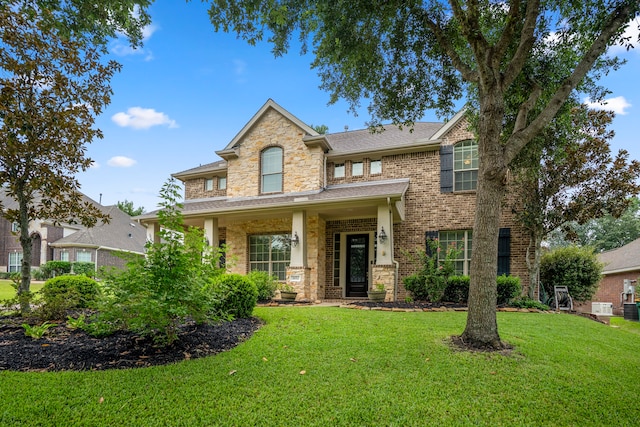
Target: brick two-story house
[334,214]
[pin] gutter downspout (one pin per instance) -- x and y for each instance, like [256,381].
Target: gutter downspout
[391,244]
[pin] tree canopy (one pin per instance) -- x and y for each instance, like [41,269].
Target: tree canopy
[127,207]
[517,62]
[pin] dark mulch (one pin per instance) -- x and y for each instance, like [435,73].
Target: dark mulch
[65,349]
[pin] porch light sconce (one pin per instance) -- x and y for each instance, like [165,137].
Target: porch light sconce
[295,239]
[382,237]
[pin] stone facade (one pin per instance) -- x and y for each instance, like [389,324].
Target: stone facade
[196,189]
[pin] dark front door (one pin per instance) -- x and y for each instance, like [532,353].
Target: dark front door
[357,265]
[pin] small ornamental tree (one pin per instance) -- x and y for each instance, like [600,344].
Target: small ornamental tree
[575,267]
[430,282]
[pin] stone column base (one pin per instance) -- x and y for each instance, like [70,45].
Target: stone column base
[299,279]
[385,275]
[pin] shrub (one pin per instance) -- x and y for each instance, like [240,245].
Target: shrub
[85,268]
[430,282]
[65,292]
[155,294]
[526,302]
[457,289]
[57,268]
[575,267]
[508,288]
[235,295]
[265,284]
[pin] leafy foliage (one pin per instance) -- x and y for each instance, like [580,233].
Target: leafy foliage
[37,331]
[234,295]
[127,207]
[265,284]
[457,290]
[155,294]
[430,282]
[56,268]
[508,287]
[66,292]
[85,268]
[575,267]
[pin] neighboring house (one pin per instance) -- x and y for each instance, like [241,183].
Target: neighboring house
[619,265]
[71,242]
[334,214]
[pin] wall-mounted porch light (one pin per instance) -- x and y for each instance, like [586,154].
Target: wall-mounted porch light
[295,239]
[382,237]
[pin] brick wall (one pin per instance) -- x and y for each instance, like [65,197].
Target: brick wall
[609,290]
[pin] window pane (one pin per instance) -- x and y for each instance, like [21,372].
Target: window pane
[272,183]
[15,262]
[222,183]
[376,166]
[356,169]
[64,256]
[465,165]
[270,253]
[272,160]
[83,256]
[339,171]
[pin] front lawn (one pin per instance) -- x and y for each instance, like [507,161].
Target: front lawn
[332,366]
[7,291]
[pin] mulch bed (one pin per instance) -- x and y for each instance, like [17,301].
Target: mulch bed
[65,349]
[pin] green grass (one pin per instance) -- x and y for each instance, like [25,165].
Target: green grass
[362,368]
[7,291]
[627,325]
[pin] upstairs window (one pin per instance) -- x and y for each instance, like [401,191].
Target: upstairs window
[222,183]
[465,165]
[208,184]
[356,169]
[338,171]
[271,164]
[375,167]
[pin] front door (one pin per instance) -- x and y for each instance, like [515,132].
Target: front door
[357,265]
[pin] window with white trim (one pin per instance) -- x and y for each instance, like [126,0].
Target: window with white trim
[375,167]
[270,253]
[338,170]
[15,262]
[460,241]
[271,173]
[208,184]
[83,256]
[222,183]
[465,165]
[64,256]
[15,227]
[357,169]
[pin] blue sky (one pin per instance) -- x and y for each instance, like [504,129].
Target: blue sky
[190,90]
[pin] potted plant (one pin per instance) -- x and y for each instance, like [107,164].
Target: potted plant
[377,292]
[287,292]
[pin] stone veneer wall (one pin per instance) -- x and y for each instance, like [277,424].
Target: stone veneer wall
[303,167]
[194,189]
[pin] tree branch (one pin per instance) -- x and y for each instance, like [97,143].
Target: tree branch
[527,39]
[520,138]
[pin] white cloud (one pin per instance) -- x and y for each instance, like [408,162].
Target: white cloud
[121,162]
[94,165]
[618,105]
[121,46]
[142,118]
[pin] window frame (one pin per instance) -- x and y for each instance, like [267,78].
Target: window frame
[376,162]
[353,168]
[277,267]
[465,165]
[64,256]
[83,252]
[265,171]
[222,182]
[208,184]
[339,167]
[16,265]
[463,237]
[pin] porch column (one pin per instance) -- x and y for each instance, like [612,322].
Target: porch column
[384,252]
[211,231]
[153,232]
[299,234]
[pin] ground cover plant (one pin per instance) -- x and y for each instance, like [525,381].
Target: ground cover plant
[318,366]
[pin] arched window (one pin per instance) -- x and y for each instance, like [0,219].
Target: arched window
[271,170]
[465,165]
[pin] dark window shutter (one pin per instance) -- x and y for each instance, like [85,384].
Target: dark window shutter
[446,169]
[429,236]
[504,251]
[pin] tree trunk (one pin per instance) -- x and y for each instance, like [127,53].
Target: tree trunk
[482,327]
[533,266]
[25,270]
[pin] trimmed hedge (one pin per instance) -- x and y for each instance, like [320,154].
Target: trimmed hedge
[457,290]
[79,291]
[235,294]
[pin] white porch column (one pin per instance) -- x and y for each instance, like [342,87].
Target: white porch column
[211,231]
[384,252]
[299,229]
[153,232]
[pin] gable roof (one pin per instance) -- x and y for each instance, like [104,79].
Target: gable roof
[121,233]
[220,165]
[270,104]
[625,258]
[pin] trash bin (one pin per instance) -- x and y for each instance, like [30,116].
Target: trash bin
[631,311]
[638,305]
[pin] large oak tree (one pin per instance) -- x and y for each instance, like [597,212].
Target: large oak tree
[54,81]
[408,56]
